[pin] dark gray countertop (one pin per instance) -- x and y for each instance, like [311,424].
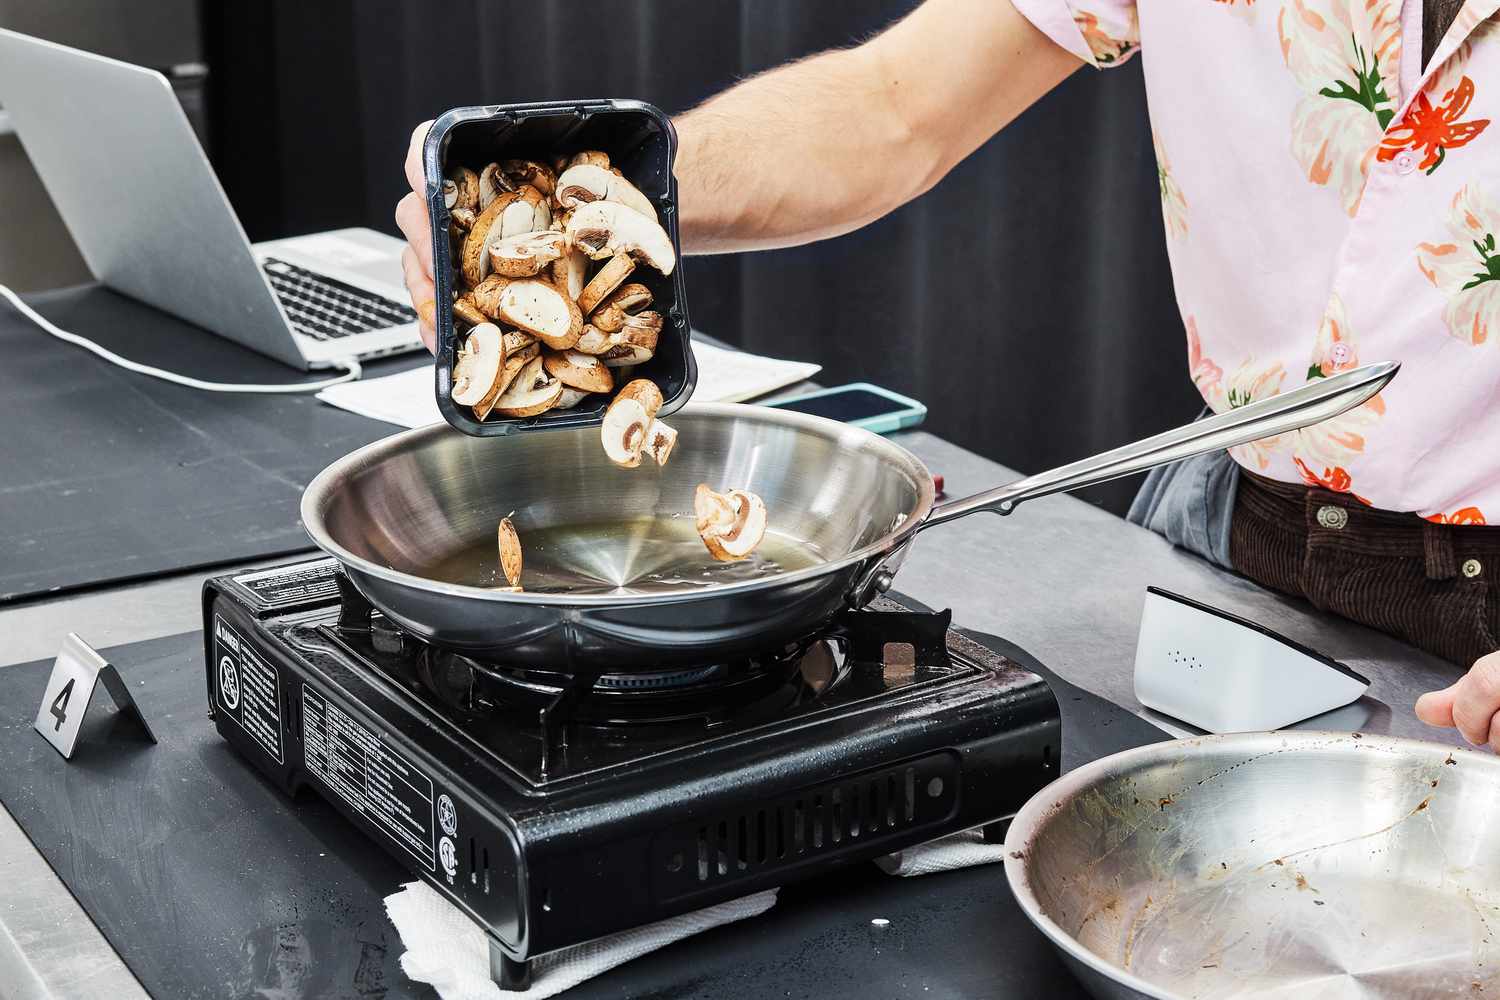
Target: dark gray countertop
[1060,578]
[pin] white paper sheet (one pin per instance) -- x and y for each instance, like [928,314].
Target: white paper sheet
[724,376]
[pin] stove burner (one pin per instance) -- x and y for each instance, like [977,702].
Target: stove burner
[656,681]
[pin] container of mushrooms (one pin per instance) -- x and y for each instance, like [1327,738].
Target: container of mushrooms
[557,263]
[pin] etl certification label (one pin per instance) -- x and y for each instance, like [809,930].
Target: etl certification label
[248,689]
[354,763]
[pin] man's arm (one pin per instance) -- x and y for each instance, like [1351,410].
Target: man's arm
[823,146]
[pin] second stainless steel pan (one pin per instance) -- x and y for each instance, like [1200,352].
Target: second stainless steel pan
[616,578]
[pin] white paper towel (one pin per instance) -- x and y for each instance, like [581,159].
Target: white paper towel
[724,376]
[959,850]
[449,951]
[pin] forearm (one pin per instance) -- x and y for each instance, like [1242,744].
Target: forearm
[823,146]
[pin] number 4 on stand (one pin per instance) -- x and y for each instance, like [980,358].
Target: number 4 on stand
[75,674]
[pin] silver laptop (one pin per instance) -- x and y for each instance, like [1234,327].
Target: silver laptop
[121,162]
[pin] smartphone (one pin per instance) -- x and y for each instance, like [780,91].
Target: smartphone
[861,404]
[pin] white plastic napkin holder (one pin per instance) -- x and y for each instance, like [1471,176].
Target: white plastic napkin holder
[1227,674]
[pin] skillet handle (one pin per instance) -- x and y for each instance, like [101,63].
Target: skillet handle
[1304,406]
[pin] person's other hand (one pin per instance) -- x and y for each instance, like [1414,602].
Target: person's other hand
[416,259]
[1471,705]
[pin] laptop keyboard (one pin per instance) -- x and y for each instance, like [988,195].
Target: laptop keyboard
[325,309]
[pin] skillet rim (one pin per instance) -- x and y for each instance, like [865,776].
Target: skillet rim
[317,492]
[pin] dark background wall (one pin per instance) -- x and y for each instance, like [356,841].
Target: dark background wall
[1026,300]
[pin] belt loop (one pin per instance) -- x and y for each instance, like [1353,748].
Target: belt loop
[1437,549]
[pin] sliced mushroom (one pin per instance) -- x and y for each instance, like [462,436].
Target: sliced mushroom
[462,219]
[594,341]
[604,228]
[510,552]
[525,255]
[486,294]
[586,182]
[579,371]
[611,314]
[465,309]
[592,156]
[635,342]
[569,272]
[465,185]
[630,426]
[731,524]
[569,398]
[540,308]
[532,391]
[514,363]
[538,175]
[492,184]
[660,440]
[478,367]
[609,278]
[450,194]
[516,340]
[510,214]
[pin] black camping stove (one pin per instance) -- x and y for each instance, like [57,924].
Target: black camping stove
[554,809]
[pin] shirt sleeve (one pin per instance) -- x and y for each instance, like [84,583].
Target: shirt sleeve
[1103,33]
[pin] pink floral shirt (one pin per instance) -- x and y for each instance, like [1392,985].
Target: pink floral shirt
[1328,202]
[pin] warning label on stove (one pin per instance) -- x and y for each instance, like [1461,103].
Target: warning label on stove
[248,689]
[357,765]
[287,585]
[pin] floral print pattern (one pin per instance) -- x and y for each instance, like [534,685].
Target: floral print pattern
[1109,43]
[1306,159]
[1345,56]
[1432,131]
[1467,515]
[1467,270]
[1173,203]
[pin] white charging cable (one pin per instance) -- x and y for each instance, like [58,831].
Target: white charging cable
[352,369]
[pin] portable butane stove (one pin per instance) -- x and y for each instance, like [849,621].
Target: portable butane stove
[553,809]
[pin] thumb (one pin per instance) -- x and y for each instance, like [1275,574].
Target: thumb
[1436,707]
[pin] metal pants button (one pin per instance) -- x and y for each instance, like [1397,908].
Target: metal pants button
[1333,517]
[1472,568]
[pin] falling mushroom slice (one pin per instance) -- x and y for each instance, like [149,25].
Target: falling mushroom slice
[587,182]
[532,391]
[631,429]
[580,371]
[604,228]
[510,553]
[525,255]
[609,278]
[477,370]
[539,308]
[731,524]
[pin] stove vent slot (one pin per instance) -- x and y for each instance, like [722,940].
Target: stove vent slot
[816,821]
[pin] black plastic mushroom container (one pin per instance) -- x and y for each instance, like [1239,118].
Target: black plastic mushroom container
[641,143]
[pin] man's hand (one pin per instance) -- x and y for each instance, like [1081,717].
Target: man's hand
[1471,705]
[416,259]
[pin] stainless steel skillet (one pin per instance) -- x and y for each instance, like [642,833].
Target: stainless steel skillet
[615,576]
